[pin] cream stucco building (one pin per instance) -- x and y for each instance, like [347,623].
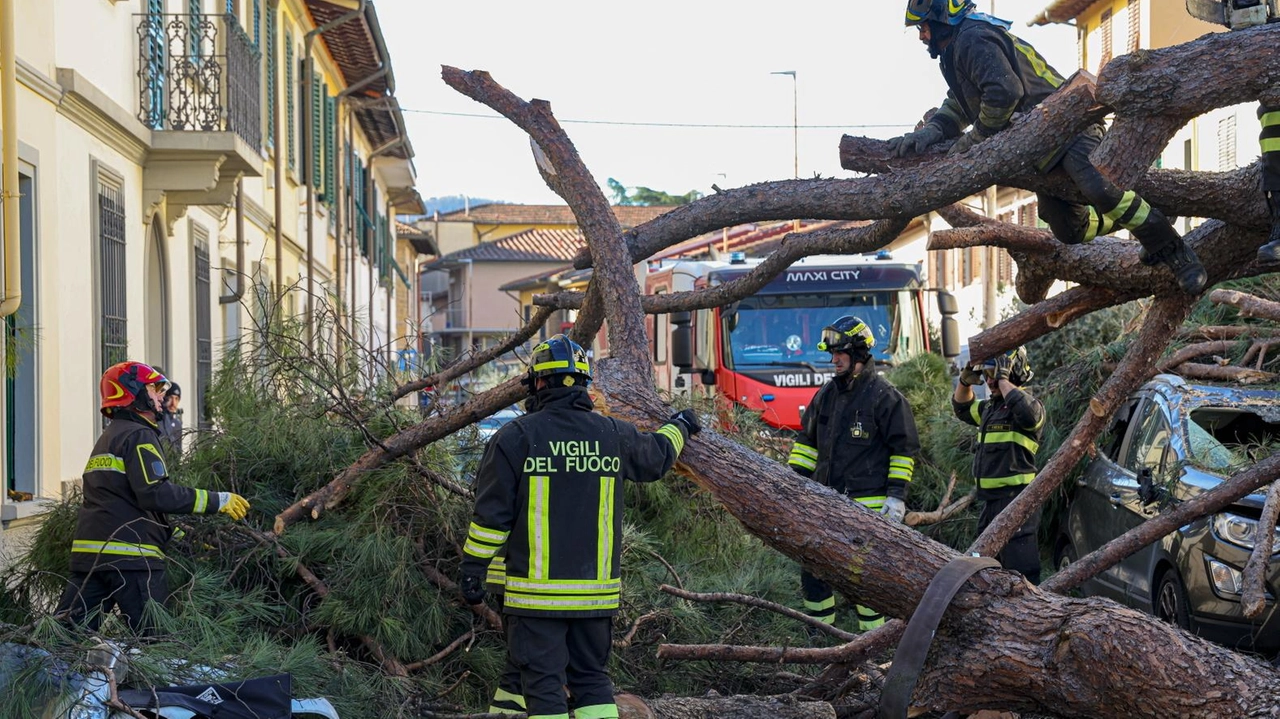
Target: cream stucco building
[180,164]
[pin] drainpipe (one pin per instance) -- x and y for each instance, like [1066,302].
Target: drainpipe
[239,290]
[308,70]
[9,152]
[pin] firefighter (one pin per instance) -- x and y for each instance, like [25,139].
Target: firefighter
[117,552]
[549,494]
[1009,426]
[858,437]
[991,74]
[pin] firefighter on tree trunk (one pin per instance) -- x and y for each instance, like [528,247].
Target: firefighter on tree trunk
[858,437]
[991,74]
[549,492]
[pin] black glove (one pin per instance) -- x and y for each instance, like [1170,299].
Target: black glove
[472,589]
[971,376]
[964,142]
[689,419]
[1004,367]
[914,143]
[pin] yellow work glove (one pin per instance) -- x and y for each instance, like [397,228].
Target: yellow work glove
[233,505]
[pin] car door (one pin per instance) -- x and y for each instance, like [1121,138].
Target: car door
[1092,520]
[1149,453]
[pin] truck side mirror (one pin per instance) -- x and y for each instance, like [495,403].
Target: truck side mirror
[681,340]
[950,337]
[947,304]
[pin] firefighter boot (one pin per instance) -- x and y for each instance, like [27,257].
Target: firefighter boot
[1161,244]
[1270,252]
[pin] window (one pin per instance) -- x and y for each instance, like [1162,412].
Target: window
[1105,27]
[1227,143]
[289,100]
[270,68]
[195,29]
[204,332]
[1149,448]
[113,313]
[1135,25]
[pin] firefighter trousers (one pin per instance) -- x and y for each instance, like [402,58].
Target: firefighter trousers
[553,653]
[1021,554]
[820,603]
[90,595]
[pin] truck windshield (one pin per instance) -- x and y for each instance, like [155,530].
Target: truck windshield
[783,330]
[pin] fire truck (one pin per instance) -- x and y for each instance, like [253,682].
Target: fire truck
[761,351]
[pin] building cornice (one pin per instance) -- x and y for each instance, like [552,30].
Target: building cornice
[38,82]
[90,108]
[257,214]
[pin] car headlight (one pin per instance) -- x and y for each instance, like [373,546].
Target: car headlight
[1241,531]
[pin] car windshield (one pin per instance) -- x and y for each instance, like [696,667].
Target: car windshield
[783,330]
[1225,440]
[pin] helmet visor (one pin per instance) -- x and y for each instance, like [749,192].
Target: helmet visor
[162,386]
[831,339]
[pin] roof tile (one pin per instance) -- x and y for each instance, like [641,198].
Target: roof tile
[528,246]
[500,214]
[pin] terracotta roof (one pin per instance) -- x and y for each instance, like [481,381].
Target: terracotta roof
[422,241]
[527,246]
[499,214]
[1061,11]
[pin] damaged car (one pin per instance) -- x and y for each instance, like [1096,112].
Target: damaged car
[1169,442]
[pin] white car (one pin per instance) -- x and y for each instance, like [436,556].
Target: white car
[490,425]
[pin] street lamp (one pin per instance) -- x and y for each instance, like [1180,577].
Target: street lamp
[795,118]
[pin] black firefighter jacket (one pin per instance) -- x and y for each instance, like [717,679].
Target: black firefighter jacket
[992,74]
[549,491]
[1009,431]
[127,493]
[858,437]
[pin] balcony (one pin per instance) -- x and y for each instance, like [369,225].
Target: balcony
[199,91]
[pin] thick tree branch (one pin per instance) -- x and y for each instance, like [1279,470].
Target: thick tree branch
[903,195]
[845,241]
[1247,304]
[1255,570]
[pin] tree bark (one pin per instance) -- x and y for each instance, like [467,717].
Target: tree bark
[1247,304]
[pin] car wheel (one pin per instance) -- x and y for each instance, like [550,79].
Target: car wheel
[1171,603]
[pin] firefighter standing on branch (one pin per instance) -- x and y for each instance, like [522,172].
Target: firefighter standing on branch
[1009,427]
[858,437]
[117,554]
[992,74]
[549,491]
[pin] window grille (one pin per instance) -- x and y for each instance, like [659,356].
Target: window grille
[204,329]
[112,270]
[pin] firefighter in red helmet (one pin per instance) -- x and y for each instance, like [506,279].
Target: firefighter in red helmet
[117,552]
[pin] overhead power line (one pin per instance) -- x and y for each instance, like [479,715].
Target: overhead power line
[617,123]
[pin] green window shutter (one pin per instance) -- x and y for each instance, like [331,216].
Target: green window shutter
[272,54]
[257,23]
[289,92]
[330,145]
[317,130]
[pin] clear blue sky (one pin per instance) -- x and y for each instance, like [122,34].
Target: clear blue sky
[706,62]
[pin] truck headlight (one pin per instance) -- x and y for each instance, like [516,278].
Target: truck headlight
[1241,531]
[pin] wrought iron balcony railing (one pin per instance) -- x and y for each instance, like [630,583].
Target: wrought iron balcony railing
[199,73]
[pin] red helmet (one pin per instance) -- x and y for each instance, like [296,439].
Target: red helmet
[124,386]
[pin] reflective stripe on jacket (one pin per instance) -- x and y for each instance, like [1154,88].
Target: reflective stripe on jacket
[1009,432]
[858,437]
[127,494]
[549,491]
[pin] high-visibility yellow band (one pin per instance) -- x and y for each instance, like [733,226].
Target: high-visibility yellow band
[597,711]
[1270,119]
[484,534]
[515,600]
[804,450]
[479,549]
[565,586]
[539,527]
[105,462]
[1271,144]
[827,603]
[1013,481]
[502,695]
[975,413]
[123,549]
[549,716]
[670,432]
[802,462]
[604,520]
[1017,438]
[202,502]
[582,367]
[871,502]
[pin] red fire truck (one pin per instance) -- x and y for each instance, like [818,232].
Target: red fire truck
[761,352]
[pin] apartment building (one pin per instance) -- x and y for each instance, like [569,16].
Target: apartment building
[186,167]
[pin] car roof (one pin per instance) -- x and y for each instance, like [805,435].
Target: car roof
[1262,401]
